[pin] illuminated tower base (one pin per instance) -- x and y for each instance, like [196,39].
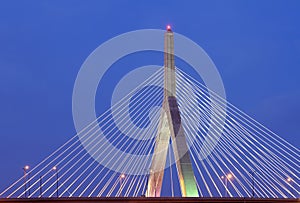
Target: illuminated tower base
[170,127]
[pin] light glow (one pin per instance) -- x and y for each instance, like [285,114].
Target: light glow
[229,176]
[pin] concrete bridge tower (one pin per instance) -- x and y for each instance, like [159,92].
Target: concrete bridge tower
[170,127]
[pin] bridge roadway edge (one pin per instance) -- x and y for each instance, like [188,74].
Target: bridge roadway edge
[146,200]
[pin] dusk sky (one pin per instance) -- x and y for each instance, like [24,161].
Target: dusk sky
[254,44]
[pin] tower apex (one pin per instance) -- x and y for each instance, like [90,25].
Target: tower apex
[169,28]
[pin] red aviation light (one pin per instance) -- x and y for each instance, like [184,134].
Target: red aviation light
[169,28]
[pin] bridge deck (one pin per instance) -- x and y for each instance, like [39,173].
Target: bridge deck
[147,200]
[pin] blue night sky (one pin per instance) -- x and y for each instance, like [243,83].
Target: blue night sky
[254,44]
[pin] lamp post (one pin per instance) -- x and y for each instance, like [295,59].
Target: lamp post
[122,176]
[289,181]
[25,169]
[227,177]
[41,185]
[56,172]
[253,189]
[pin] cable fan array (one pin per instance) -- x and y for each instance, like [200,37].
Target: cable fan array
[232,154]
[249,159]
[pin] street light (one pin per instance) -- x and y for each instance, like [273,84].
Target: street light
[41,186]
[253,189]
[56,171]
[25,169]
[226,177]
[289,181]
[122,176]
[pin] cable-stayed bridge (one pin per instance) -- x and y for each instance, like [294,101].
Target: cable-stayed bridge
[197,145]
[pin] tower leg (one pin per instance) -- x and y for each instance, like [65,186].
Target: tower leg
[185,172]
[159,157]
